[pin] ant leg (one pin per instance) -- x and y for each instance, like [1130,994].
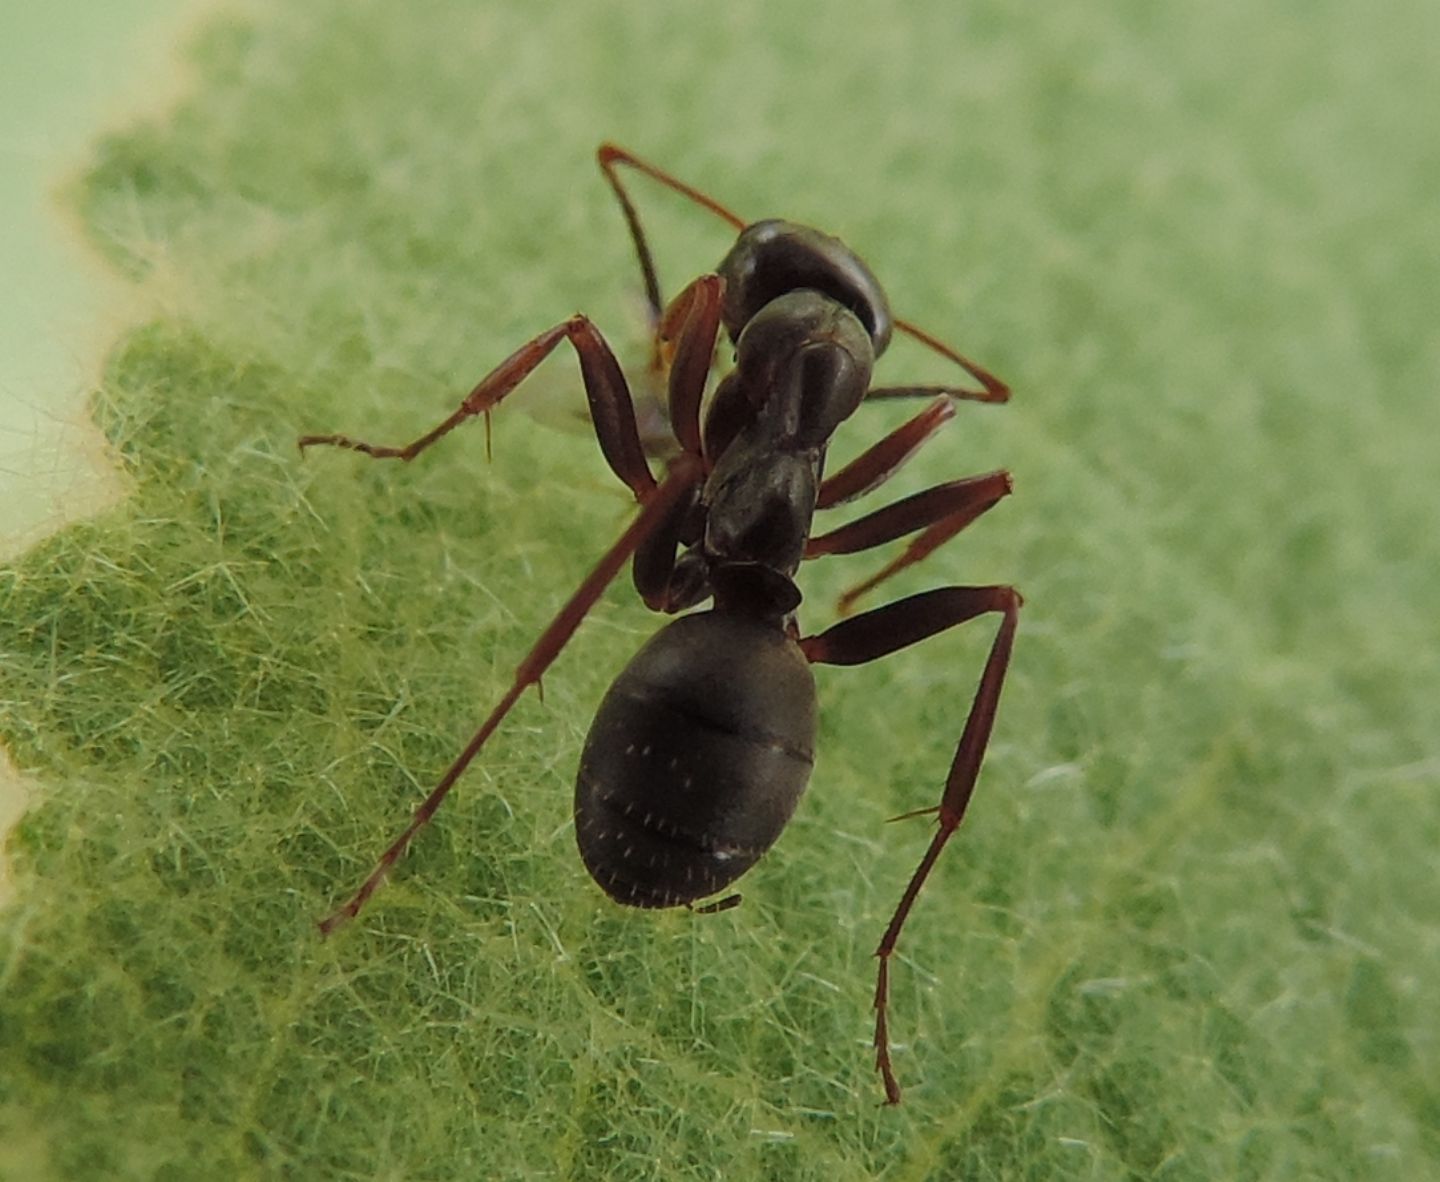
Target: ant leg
[662,323]
[611,409]
[940,513]
[609,157]
[992,388]
[684,473]
[873,467]
[960,393]
[875,634]
[698,318]
[693,322]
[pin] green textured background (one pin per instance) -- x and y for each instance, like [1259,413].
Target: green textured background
[1191,929]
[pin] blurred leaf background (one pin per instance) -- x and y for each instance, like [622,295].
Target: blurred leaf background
[1190,928]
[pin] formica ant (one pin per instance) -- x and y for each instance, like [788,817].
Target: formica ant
[703,745]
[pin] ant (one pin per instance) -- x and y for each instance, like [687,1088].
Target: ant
[703,745]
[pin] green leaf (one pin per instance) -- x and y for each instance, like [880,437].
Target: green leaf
[1188,928]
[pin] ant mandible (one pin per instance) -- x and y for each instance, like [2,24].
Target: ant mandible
[703,745]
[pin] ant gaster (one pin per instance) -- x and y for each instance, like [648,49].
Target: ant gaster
[703,745]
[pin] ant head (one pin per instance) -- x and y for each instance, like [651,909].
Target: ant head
[773,257]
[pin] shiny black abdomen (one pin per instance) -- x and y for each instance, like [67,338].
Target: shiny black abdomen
[696,760]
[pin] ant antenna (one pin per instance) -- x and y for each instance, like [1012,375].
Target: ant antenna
[610,155]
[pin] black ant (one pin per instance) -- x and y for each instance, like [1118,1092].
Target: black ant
[703,745]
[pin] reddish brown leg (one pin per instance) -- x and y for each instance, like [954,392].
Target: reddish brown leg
[885,630]
[697,331]
[873,467]
[610,156]
[684,472]
[992,388]
[940,512]
[693,322]
[960,393]
[610,407]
